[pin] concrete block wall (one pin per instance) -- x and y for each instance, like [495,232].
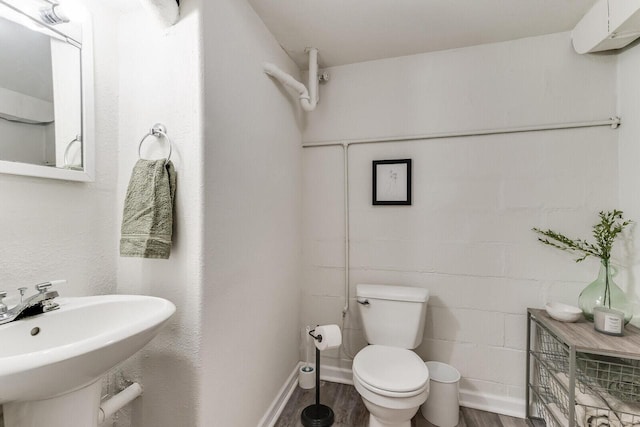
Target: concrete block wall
[467,237]
[628,155]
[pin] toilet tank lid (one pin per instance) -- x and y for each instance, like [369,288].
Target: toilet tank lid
[394,293]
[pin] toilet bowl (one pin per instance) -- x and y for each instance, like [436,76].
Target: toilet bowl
[393,382]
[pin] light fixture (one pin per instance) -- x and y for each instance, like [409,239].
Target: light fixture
[53,15]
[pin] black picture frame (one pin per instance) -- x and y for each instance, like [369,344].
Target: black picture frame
[391,182]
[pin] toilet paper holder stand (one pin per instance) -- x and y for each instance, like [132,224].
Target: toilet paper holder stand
[315,337]
[317,415]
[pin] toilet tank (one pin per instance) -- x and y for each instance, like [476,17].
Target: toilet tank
[393,315]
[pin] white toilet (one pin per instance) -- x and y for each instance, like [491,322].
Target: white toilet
[392,380]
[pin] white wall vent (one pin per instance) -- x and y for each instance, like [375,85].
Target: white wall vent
[610,24]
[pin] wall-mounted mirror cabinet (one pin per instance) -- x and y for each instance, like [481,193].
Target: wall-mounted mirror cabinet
[46,90]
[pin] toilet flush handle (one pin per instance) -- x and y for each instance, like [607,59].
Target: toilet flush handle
[363,302]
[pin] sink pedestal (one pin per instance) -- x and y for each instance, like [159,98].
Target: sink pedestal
[76,409]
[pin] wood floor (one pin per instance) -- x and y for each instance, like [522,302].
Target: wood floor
[351,412]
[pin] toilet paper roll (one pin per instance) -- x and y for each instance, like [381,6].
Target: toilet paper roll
[331,337]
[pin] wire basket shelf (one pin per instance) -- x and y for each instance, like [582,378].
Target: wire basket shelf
[601,374]
[607,389]
[547,410]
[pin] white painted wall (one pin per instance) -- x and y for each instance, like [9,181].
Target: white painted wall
[64,230]
[29,52]
[160,80]
[234,272]
[467,236]
[26,126]
[252,222]
[26,93]
[59,229]
[22,142]
[18,106]
[67,95]
[629,156]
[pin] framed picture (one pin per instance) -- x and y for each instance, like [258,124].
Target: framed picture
[392,182]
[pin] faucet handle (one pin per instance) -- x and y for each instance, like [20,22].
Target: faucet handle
[42,287]
[58,282]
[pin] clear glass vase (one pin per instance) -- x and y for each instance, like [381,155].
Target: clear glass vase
[603,292]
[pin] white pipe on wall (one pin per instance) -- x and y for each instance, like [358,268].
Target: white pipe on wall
[286,79]
[308,98]
[119,401]
[347,236]
[313,81]
[613,123]
[166,12]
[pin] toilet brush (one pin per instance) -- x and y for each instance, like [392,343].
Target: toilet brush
[307,368]
[317,415]
[306,375]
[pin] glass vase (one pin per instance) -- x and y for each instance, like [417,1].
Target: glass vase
[603,292]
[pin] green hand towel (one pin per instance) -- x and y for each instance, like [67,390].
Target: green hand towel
[147,220]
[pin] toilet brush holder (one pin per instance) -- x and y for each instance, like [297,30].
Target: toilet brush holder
[306,377]
[317,415]
[306,373]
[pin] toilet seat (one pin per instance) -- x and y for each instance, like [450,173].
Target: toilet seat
[390,371]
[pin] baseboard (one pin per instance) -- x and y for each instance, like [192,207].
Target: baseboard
[336,375]
[277,406]
[504,405]
[510,406]
[327,373]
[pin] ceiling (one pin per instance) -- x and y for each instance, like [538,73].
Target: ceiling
[348,31]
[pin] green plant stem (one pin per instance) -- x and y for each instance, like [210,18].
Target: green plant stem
[604,232]
[607,289]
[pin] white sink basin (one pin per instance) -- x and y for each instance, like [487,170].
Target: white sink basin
[67,349]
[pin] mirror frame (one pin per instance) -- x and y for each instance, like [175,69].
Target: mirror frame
[88,117]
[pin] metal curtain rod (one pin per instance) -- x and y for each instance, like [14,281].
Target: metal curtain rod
[612,122]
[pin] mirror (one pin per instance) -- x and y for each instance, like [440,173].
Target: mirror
[46,94]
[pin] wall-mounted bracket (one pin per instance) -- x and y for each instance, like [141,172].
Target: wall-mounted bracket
[165,12]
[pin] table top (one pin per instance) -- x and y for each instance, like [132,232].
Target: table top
[584,338]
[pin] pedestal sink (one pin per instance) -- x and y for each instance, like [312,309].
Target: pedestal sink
[51,364]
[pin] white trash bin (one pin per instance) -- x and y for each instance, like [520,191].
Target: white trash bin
[442,408]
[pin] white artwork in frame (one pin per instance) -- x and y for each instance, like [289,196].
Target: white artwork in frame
[392,182]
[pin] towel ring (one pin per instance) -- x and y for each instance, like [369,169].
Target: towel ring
[78,138]
[157,130]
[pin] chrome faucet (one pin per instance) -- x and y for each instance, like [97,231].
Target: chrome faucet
[39,303]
